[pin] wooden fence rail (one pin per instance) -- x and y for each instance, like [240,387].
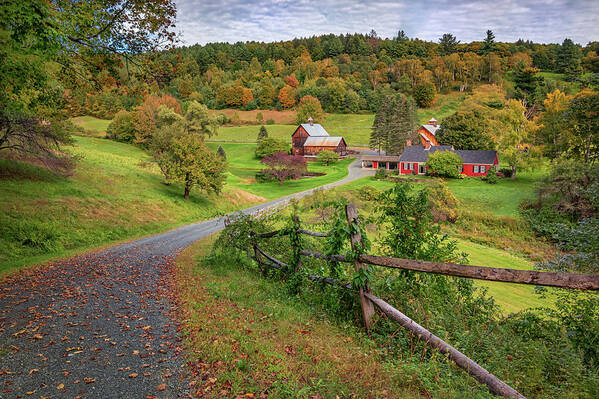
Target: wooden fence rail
[368,300]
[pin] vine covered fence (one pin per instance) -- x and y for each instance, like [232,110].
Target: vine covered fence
[368,300]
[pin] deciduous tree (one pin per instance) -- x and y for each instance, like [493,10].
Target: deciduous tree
[309,107]
[283,166]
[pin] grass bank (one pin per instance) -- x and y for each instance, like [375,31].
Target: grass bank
[115,193]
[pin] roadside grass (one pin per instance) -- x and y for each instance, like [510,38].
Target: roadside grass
[243,167]
[116,193]
[246,337]
[92,124]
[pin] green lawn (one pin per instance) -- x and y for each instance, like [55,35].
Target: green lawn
[510,297]
[243,167]
[91,123]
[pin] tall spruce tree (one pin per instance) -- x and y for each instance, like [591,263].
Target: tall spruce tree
[489,43]
[393,124]
[262,134]
[378,135]
[402,123]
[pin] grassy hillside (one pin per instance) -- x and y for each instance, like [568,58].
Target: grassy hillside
[92,124]
[114,194]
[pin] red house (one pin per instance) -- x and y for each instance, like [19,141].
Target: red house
[414,157]
[311,138]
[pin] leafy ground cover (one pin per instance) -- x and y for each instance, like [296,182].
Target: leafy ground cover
[115,193]
[243,167]
[248,338]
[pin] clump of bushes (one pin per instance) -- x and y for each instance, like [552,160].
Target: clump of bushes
[367,193]
[444,164]
[327,157]
[268,146]
[491,176]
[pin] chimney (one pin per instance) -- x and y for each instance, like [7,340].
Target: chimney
[311,121]
[433,122]
[408,143]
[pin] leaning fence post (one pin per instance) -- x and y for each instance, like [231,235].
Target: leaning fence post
[356,238]
[257,255]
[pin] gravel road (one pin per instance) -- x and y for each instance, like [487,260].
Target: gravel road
[100,325]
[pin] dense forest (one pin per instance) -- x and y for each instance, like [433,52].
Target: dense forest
[346,73]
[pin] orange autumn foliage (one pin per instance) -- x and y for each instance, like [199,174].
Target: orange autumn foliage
[287,96]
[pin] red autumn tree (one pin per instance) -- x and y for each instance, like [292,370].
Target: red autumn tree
[291,80]
[283,166]
[287,96]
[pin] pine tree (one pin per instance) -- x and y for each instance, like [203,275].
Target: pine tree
[378,134]
[489,43]
[401,124]
[262,134]
[221,152]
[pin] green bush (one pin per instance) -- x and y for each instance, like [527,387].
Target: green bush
[327,157]
[506,172]
[491,176]
[270,121]
[380,174]
[425,94]
[444,164]
[269,146]
[121,128]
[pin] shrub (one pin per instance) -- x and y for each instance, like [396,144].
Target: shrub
[368,193]
[269,146]
[283,166]
[443,204]
[444,164]
[270,121]
[506,172]
[491,176]
[327,157]
[121,128]
[380,174]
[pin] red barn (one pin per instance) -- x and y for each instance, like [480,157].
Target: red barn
[311,138]
[427,133]
[414,157]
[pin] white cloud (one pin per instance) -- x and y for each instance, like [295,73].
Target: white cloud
[261,20]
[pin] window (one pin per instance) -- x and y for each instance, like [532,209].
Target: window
[411,166]
[483,169]
[475,169]
[392,165]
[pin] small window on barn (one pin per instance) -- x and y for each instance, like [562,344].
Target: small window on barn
[475,168]
[483,169]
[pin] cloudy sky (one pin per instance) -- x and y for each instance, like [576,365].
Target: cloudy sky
[546,21]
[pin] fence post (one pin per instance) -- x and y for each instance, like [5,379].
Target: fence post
[355,238]
[297,244]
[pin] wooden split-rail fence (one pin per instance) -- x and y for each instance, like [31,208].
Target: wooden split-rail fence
[368,300]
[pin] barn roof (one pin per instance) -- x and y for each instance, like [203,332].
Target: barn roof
[315,129]
[431,128]
[322,141]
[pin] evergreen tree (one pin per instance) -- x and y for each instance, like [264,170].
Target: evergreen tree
[379,127]
[262,134]
[221,152]
[401,124]
[448,43]
[568,59]
[489,43]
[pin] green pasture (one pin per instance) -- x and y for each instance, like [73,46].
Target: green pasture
[243,167]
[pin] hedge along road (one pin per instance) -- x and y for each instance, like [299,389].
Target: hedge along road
[101,325]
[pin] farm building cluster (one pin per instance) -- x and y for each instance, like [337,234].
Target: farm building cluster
[413,158]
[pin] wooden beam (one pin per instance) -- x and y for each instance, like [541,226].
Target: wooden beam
[534,277]
[578,281]
[356,238]
[495,385]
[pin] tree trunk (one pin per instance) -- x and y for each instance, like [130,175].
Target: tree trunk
[187,186]
[513,172]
